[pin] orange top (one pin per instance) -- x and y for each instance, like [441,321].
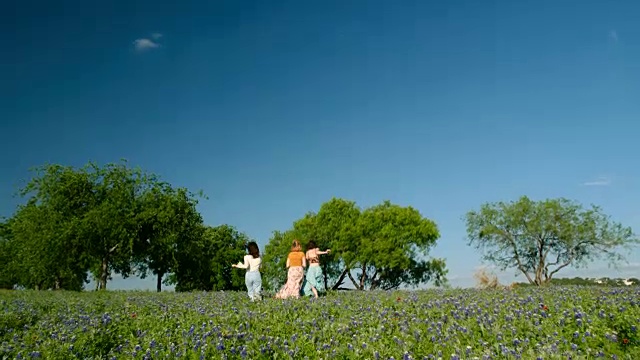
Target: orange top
[295,258]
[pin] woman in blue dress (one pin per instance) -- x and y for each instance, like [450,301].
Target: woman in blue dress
[314,280]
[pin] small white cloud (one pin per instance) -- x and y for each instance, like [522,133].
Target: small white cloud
[156,36]
[613,35]
[601,181]
[145,44]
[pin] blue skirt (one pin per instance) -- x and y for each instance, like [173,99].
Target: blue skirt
[314,279]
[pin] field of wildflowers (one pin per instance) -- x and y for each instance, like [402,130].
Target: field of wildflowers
[527,323]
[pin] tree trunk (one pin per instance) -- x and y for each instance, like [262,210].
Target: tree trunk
[336,286]
[324,274]
[363,277]
[159,282]
[104,273]
[355,284]
[375,282]
[526,274]
[56,285]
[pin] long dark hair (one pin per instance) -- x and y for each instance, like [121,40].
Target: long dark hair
[252,247]
[311,245]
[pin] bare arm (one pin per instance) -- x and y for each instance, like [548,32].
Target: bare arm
[304,262]
[287,263]
[323,252]
[242,266]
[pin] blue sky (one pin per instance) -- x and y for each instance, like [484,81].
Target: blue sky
[274,107]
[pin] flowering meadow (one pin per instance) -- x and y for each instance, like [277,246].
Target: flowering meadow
[524,323]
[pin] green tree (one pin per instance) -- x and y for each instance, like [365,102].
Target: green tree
[47,229]
[8,278]
[539,239]
[204,263]
[49,251]
[167,216]
[385,246]
[394,242]
[337,229]
[274,259]
[225,246]
[111,226]
[76,220]
[334,227]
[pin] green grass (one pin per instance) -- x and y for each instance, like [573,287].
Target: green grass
[549,323]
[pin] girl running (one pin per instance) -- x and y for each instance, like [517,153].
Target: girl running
[314,281]
[252,278]
[296,263]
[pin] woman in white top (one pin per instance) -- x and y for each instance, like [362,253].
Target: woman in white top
[252,278]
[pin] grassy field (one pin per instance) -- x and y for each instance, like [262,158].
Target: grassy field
[551,323]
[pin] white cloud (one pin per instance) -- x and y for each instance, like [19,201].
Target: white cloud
[601,181]
[145,44]
[613,35]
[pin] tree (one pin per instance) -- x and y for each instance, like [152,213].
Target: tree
[274,259]
[110,226]
[334,227]
[539,239]
[46,230]
[111,219]
[167,216]
[393,243]
[50,253]
[77,220]
[225,246]
[385,246]
[204,263]
[8,278]
[337,229]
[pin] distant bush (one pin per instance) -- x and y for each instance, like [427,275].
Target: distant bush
[604,281]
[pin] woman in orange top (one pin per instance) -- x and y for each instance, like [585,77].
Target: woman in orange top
[296,263]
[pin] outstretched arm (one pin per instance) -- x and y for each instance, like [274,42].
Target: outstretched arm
[242,265]
[324,252]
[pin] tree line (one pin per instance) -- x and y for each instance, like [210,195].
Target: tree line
[603,281]
[96,221]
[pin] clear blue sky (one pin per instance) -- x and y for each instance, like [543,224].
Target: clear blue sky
[273,107]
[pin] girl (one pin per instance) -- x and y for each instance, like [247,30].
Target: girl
[252,278]
[314,280]
[296,264]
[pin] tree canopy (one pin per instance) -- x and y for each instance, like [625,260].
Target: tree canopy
[48,231]
[168,219]
[382,247]
[112,219]
[7,256]
[205,262]
[540,238]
